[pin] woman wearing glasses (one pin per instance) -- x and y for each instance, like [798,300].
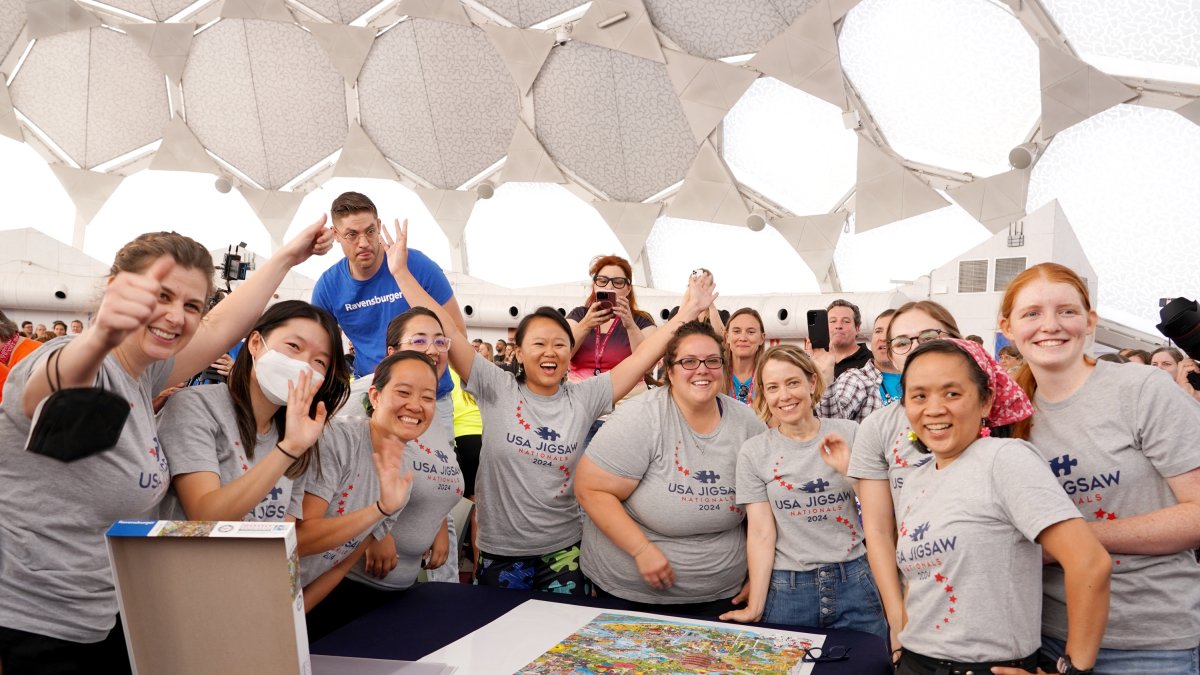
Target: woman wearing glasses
[607,331]
[883,456]
[534,426]
[657,484]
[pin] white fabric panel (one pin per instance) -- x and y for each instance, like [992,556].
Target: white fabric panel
[12,18]
[51,89]
[127,98]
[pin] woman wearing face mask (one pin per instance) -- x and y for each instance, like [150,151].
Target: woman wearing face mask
[235,448]
[362,494]
[804,548]
[534,426]
[745,337]
[607,331]
[971,522]
[58,607]
[1120,441]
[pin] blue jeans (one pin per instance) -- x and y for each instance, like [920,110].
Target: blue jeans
[837,595]
[1133,661]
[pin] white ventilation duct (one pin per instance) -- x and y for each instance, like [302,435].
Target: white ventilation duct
[42,291]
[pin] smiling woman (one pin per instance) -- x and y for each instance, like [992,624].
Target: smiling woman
[658,487]
[534,426]
[967,606]
[57,601]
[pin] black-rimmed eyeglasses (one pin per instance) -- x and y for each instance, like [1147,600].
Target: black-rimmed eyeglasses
[901,344]
[617,282]
[826,654]
[692,363]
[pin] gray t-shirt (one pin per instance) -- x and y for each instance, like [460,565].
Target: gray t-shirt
[437,487]
[55,578]
[347,482]
[1110,446]
[685,501]
[882,451]
[525,488]
[968,555]
[198,428]
[816,522]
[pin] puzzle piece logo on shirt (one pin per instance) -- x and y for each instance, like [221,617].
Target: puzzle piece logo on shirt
[547,434]
[1061,466]
[816,485]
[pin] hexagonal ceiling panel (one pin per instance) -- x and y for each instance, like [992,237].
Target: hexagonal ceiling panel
[159,10]
[790,146]
[12,19]
[953,83]
[525,13]
[613,119]
[1149,38]
[719,28]
[340,11]
[94,92]
[438,100]
[264,97]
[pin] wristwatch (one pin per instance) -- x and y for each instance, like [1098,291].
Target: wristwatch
[1065,667]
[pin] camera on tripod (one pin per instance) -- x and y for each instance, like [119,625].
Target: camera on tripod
[1181,324]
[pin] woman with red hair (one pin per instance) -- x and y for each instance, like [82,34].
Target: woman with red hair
[607,330]
[1120,441]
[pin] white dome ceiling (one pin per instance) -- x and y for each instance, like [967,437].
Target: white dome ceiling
[878,112]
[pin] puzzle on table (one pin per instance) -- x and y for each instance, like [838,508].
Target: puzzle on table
[622,644]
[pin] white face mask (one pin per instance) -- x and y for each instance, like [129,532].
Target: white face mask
[273,370]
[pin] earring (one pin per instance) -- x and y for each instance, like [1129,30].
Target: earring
[984,429]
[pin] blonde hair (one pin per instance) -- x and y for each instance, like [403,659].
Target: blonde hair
[796,357]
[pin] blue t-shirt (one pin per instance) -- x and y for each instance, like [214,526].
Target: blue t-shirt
[364,308]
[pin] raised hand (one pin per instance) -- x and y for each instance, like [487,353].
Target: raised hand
[655,568]
[836,452]
[397,246]
[129,301]
[622,310]
[395,486]
[316,239]
[303,431]
[701,294]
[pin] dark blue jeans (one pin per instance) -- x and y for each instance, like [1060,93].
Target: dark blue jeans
[837,595]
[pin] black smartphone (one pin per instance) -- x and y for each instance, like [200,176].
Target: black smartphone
[606,299]
[818,328]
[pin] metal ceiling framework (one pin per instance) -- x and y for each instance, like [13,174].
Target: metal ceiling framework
[452,98]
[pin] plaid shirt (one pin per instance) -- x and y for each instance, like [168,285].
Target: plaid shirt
[854,395]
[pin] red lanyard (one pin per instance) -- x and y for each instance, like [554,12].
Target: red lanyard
[600,346]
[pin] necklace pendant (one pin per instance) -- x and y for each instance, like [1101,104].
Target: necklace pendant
[595,372]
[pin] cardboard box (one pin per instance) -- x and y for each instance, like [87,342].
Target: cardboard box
[210,597]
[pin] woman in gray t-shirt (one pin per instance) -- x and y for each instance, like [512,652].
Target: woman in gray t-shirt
[1120,441]
[804,544]
[534,426]
[970,525]
[237,449]
[658,485]
[57,599]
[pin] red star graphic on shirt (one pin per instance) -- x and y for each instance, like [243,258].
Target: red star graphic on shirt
[245,467]
[345,494]
[342,502]
[1100,513]
[526,425]
[951,610]
[939,578]
[953,598]
[945,620]
[1112,516]
[687,472]
[949,588]
[350,486]
[341,510]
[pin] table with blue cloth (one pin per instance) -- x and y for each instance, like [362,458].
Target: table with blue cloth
[430,616]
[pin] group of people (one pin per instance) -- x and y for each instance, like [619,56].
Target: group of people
[1008,521]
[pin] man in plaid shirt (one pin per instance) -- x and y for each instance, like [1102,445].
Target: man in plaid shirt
[858,392]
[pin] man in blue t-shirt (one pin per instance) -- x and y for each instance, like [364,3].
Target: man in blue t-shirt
[360,291]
